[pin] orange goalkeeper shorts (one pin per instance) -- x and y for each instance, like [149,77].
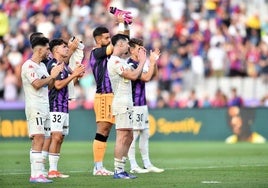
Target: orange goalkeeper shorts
[103,107]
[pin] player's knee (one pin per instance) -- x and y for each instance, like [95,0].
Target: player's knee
[101,137]
[104,128]
[57,137]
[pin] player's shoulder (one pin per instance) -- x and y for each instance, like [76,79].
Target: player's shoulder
[99,51]
[114,59]
[51,63]
[28,64]
[132,63]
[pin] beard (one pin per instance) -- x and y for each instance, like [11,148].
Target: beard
[104,45]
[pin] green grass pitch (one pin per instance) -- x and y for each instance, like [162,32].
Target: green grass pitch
[186,164]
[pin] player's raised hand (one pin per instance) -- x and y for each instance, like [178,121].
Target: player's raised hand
[125,14]
[73,43]
[120,18]
[154,55]
[142,55]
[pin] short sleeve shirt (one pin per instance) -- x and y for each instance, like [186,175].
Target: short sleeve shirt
[121,86]
[59,98]
[35,100]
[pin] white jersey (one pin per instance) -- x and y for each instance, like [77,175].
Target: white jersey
[35,100]
[122,100]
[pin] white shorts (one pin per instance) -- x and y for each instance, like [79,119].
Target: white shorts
[38,124]
[140,117]
[124,120]
[59,122]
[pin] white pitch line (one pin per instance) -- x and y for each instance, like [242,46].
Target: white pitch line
[210,182]
[23,172]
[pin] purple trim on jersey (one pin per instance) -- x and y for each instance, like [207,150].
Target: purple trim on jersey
[138,87]
[58,99]
[98,62]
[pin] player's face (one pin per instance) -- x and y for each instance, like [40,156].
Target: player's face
[44,51]
[125,46]
[105,39]
[136,50]
[63,50]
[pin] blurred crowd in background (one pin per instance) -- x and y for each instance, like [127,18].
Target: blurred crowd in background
[224,42]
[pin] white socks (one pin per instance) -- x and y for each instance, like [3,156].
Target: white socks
[132,151]
[53,161]
[44,155]
[119,165]
[36,163]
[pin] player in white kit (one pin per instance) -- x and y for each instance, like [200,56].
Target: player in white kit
[36,81]
[121,74]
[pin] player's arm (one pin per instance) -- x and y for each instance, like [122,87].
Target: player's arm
[49,80]
[102,52]
[109,49]
[39,83]
[134,74]
[77,72]
[123,27]
[153,69]
[73,45]
[54,70]
[59,84]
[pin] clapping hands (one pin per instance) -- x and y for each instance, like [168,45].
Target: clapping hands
[56,70]
[142,55]
[79,70]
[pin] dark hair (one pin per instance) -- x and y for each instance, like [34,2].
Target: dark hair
[118,37]
[99,31]
[35,34]
[56,42]
[134,41]
[39,41]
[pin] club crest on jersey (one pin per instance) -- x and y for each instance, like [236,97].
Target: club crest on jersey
[62,76]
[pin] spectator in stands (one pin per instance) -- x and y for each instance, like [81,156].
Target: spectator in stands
[176,72]
[4,23]
[3,68]
[219,100]
[252,59]
[172,101]
[253,28]
[235,99]
[205,102]
[11,83]
[264,61]
[210,8]
[165,71]
[192,101]
[264,101]
[218,60]
[183,48]
[236,64]
[157,23]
